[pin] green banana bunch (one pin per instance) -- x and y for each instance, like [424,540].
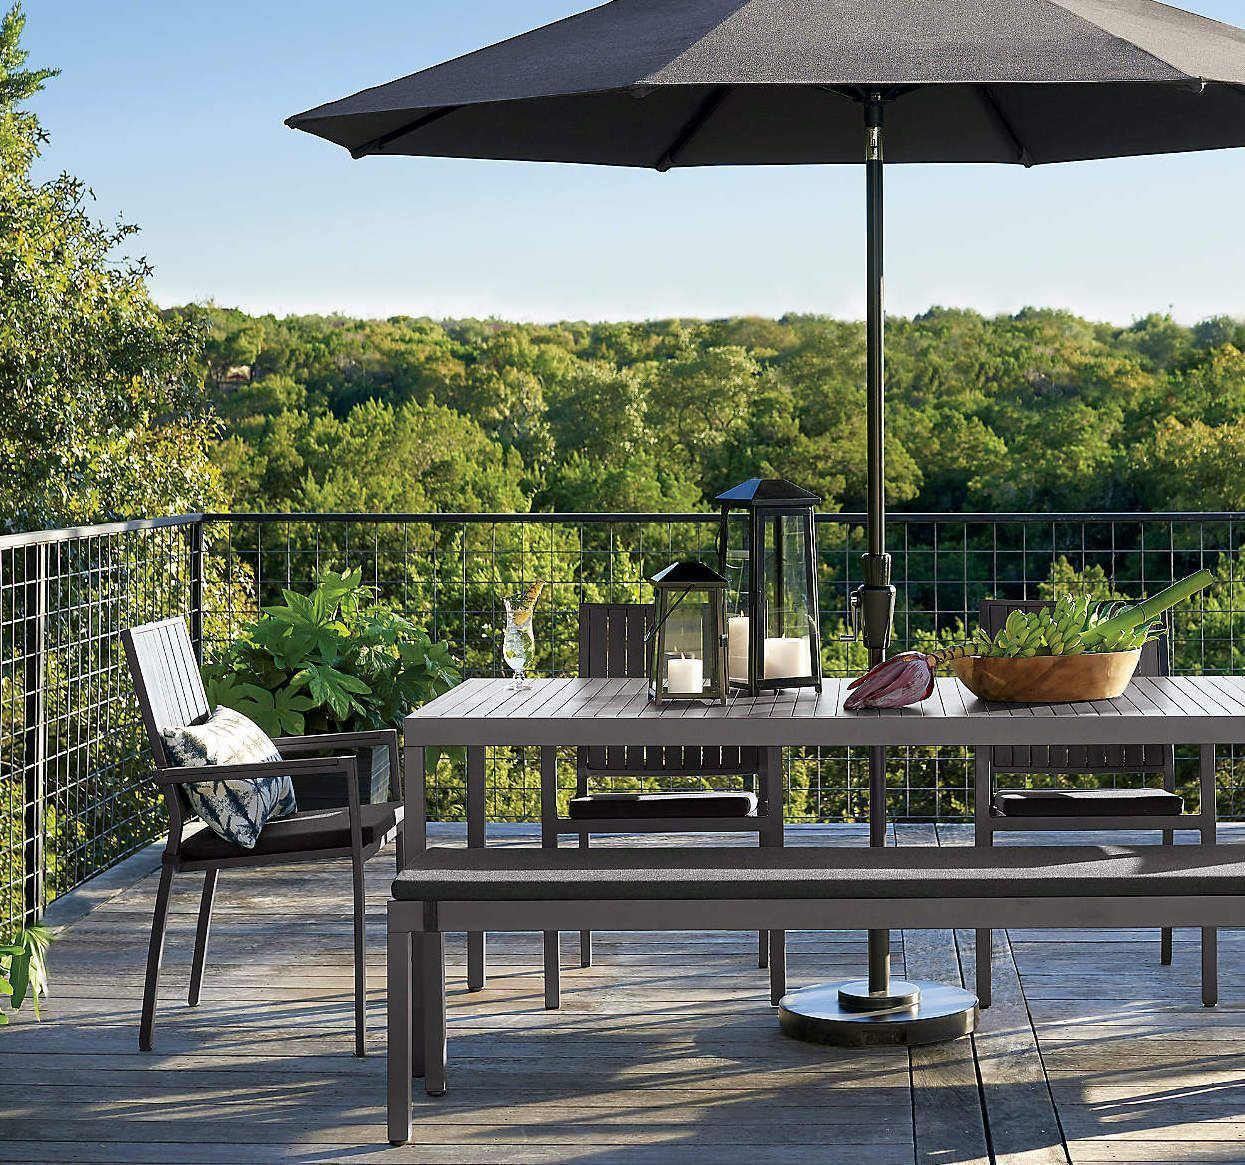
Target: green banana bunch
[1021,636]
[1064,625]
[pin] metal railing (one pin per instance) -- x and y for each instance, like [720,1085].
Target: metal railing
[75,795]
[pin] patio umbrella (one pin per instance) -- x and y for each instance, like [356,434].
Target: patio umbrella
[672,83]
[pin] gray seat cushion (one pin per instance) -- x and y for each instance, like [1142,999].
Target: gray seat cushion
[1086,803]
[891,872]
[324,829]
[613,806]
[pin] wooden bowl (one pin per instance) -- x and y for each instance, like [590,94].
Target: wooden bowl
[1048,679]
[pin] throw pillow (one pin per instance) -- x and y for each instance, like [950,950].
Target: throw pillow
[235,810]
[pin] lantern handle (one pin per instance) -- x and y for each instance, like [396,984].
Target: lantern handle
[648,638]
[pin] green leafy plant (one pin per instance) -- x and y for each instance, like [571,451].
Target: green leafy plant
[24,968]
[333,660]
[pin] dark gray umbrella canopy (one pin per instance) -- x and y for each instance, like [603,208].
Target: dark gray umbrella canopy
[661,83]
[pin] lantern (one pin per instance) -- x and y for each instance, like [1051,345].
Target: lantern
[767,548]
[688,639]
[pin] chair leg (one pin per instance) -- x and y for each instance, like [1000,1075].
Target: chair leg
[155,954]
[360,957]
[201,936]
[399,1067]
[1210,966]
[585,936]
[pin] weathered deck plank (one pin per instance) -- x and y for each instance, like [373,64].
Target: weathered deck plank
[665,1052]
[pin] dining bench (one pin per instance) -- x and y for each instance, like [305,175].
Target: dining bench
[738,889]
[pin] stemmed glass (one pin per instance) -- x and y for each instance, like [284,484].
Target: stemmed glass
[518,644]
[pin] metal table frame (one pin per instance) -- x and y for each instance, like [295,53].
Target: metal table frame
[550,714]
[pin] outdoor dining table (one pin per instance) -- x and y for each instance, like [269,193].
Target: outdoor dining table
[1206,711]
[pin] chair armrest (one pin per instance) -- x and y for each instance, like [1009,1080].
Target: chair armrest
[315,743]
[374,737]
[194,774]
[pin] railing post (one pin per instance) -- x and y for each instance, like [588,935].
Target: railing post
[35,730]
[195,541]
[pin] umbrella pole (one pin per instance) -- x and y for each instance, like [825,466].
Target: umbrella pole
[877,595]
[879,1009]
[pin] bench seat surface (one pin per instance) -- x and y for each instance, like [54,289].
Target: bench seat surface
[443,874]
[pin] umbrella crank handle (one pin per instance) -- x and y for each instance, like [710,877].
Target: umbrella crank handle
[853,618]
[870,616]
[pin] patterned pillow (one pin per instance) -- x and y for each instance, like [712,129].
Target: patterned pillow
[238,809]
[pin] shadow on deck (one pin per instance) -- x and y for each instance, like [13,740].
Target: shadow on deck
[664,1053]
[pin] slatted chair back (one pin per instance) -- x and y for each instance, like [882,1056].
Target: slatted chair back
[166,676]
[1088,759]
[613,644]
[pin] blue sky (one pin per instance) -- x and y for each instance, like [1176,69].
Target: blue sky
[173,113]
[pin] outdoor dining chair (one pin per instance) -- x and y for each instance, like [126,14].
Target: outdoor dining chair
[1060,808]
[614,644]
[170,693]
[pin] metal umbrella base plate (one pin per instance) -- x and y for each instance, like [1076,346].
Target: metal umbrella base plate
[831,1013]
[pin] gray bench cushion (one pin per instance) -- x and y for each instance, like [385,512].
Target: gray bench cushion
[614,806]
[921,872]
[1086,803]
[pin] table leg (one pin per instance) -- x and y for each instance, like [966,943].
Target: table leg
[415,802]
[1209,811]
[549,840]
[477,969]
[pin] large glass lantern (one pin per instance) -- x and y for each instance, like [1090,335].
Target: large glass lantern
[767,549]
[688,640]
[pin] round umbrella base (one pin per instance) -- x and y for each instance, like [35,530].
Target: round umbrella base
[817,1015]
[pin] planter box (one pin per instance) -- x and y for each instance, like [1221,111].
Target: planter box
[328,792]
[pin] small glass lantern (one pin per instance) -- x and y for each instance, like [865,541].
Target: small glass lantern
[688,639]
[767,548]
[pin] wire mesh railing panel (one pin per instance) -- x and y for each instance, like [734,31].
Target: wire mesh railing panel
[75,791]
[451,572]
[74,768]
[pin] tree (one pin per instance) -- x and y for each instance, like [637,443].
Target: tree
[101,410]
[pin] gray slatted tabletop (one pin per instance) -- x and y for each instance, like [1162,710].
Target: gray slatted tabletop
[1205,710]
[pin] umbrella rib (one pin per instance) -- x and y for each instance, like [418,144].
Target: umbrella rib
[378,144]
[694,124]
[1005,124]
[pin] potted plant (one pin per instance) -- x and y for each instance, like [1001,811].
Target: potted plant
[23,968]
[333,660]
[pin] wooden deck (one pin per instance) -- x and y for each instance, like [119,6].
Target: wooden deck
[664,1053]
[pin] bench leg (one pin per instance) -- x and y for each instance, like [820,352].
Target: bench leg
[762,949]
[432,1007]
[777,966]
[1210,966]
[984,942]
[400,1066]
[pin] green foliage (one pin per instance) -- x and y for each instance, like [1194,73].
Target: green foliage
[24,968]
[330,661]
[1039,410]
[103,413]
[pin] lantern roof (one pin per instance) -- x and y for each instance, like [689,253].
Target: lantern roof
[768,491]
[688,574]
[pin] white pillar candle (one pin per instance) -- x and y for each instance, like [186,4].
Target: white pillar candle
[787,657]
[686,677]
[737,648]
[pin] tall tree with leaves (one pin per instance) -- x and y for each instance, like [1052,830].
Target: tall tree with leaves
[102,413]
